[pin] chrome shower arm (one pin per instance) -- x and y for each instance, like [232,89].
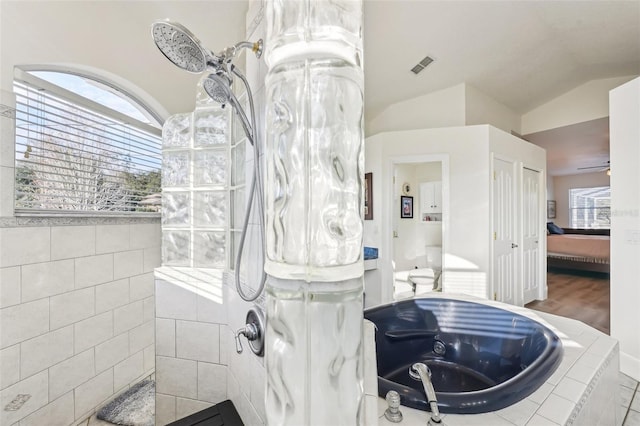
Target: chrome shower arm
[256,47]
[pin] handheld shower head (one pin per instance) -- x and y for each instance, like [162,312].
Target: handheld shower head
[218,87]
[181,47]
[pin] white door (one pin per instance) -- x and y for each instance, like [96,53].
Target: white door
[505,246]
[530,234]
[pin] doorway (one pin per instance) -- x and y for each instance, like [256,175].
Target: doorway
[419,213]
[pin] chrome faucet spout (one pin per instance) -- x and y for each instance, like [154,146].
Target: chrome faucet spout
[420,371]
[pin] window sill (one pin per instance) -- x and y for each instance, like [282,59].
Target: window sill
[48,218]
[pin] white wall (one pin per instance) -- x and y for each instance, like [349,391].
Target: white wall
[77,309]
[551,193]
[467,150]
[508,145]
[371,233]
[561,187]
[458,105]
[483,109]
[52,32]
[625,225]
[584,103]
[442,108]
[466,242]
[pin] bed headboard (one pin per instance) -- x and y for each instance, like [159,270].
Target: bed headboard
[587,231]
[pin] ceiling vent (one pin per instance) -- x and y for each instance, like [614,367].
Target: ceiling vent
[422,64]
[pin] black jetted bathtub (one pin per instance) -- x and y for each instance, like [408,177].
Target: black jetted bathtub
[482,358]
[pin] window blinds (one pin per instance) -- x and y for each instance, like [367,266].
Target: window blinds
[590,207]
[74,155]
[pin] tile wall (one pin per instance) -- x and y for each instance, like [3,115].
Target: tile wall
[198,309]
[191,372]
[76,314]
[246,381]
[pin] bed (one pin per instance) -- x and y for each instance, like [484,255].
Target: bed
[579,249]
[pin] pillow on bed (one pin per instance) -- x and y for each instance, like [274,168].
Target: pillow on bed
[554,229]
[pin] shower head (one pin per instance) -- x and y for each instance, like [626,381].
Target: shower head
[218,87]
[181,47]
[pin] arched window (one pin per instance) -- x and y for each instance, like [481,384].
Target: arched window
[83,146]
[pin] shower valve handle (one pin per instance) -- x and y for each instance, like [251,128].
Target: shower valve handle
[254,331]
[250,331]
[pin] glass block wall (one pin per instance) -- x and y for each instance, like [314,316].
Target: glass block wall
[193,337]
[195,186]
[238,190]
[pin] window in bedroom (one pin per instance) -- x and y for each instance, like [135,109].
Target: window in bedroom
[590,207]
[83,147]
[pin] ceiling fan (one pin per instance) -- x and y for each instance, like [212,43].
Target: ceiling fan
[604,167]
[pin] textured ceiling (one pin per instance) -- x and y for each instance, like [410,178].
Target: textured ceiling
[522,53]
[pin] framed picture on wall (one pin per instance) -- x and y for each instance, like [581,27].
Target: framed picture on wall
[406,207]
[551,209]
[368,196]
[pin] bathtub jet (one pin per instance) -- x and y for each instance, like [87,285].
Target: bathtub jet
[482,358]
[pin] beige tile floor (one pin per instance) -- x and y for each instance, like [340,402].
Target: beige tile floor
[630,392]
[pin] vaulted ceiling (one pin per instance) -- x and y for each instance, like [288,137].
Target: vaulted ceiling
[522,53]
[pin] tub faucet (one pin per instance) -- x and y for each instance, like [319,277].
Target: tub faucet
[393,413]
[421,372]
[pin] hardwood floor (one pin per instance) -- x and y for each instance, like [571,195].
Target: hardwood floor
[582,296]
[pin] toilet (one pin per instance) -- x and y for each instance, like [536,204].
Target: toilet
[423,280]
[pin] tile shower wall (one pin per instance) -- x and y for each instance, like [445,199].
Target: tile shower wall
[246,372]
[76,315]
[190,362]
[191,372]
[198,308]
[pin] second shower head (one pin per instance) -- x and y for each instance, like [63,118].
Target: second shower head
[218,87]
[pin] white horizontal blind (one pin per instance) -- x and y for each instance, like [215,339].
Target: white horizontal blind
[73,155]
[590,207]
